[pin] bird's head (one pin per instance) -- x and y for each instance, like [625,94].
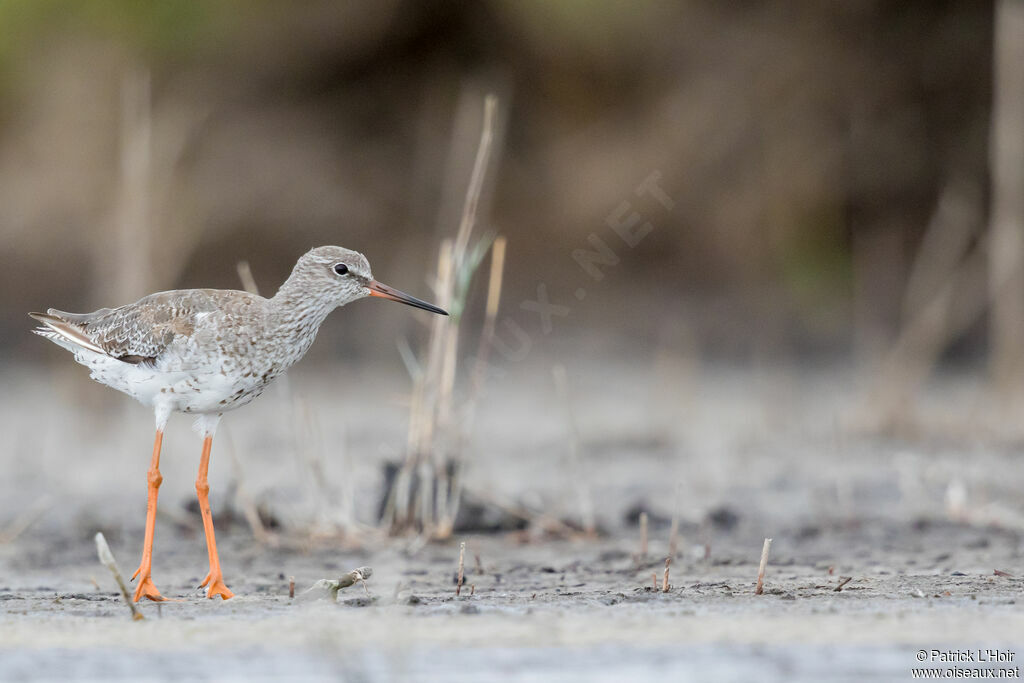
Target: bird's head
[344,275]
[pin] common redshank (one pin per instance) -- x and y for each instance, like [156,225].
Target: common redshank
[207,351]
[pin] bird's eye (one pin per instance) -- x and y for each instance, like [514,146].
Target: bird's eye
[340,268]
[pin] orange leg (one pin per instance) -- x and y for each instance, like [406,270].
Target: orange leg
[146,588]
[214,578]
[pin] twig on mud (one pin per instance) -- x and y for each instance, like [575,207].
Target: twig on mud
[477,564]
[291,587]
[328,588]
[462,568]
[356,575]
[764,563]
[664,581]
[643,535]
[26,519]
[108,561]
[843,580]
[472,589]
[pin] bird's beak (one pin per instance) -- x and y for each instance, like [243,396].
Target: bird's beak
[385,292]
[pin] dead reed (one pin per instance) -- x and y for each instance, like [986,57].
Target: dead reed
[462,568]
[426,492]
[108,561]
[945,294]
[764,563]
[577,474]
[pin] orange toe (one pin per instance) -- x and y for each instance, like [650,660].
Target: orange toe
[217,587]
[146,589]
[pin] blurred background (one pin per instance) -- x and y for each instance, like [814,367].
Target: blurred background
[151,146]
[836,238]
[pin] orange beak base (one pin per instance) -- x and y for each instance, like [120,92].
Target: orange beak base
[384,292]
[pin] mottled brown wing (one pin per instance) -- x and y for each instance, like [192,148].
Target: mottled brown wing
[140,332]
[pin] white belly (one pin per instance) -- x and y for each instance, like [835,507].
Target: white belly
[186,392]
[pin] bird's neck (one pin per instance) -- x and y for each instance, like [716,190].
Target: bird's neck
[297,315]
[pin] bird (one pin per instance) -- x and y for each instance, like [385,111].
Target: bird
[204,352]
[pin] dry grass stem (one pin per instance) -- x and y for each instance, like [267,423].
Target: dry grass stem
[476,179]
[108,561]
[664,580]
[462,568]
[578,473]
[1006,213]
[150,207]
[764,563]
[654,580]
[496,277]
[291,586]
[133,224]
[945,294]
[487,334]
[435,445]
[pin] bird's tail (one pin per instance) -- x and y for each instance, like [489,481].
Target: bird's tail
[62,332]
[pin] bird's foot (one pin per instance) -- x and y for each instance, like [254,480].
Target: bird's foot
[146,587]
[216,586]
